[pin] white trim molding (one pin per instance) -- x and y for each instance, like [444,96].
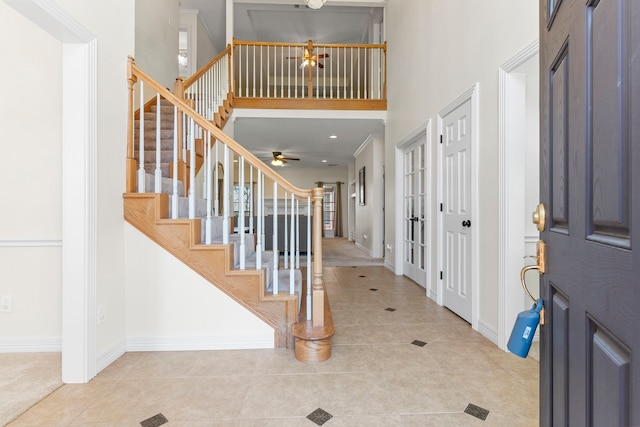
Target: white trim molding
[31,243]
[30,345]
[511,182]
[182,343]
[79,183]
[488,332]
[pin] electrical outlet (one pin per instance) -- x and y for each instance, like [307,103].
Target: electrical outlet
[102,313]
[6,303]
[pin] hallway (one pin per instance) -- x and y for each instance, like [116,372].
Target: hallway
[380,374]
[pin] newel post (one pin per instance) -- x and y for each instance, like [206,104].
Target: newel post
[130,185]
[318,284]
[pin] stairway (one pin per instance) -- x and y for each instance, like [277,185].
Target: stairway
[219,263]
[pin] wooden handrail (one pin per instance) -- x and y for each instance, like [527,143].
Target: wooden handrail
[314,45]
[215,132]
[189,81]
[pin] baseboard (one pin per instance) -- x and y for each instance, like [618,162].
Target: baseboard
[359,246]
[31,345]
[390,266]
[433,295]
[180,343]
[111,355]
[488,332]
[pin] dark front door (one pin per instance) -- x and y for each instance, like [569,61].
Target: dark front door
[590,186]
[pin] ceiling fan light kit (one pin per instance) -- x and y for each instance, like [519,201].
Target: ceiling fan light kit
[314,4]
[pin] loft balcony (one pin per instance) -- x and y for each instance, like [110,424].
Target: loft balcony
[308,76]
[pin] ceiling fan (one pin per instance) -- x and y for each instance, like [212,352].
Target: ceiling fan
[279,159]
[308,59]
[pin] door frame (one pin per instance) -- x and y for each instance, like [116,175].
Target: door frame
[422,131]
[472,95]
[79,184]
[511,167]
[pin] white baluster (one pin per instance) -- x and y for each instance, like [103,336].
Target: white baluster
[158,171]
[297,233]
[192,172]
[292,284]
[262,209]
[351,80]
[286,232]
[205,169]
[259,235]
[216,192]
[251,199]
[209,197]
[225,193]
[309,258]
[241,213]
[185,136]
[175,197]
[276,254]
[141,173]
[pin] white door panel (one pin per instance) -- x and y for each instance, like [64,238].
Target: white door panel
[414,214]
[456,212]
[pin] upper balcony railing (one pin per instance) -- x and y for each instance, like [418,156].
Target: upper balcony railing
[308,75]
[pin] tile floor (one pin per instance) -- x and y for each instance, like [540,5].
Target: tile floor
[375,377]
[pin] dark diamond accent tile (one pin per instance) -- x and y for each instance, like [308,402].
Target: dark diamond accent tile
[319,416]
[354,267]
[419,343]
[362,276]
[390,309]
[155,421]
[373,289]
[477,411]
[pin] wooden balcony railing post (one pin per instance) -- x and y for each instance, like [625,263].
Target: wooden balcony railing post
[318,284]
[384,86]
[310,71]
[130,185]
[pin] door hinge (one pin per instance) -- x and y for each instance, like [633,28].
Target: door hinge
[441,275]
[440,139]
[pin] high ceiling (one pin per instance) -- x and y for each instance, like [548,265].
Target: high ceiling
[304,136]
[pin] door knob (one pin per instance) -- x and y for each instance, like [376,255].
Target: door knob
[466,223]
[539,217]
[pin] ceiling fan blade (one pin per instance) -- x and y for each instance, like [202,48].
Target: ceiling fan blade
[323,55]
[288,158]
[320,65]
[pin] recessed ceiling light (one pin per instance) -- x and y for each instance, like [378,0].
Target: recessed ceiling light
[333,136]
[324,161]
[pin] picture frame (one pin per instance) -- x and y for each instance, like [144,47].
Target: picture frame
[361,187]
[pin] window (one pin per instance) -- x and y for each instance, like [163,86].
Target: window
[329,207]
[246,197]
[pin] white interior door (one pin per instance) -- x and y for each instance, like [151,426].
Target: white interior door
[414,211]
[456,210]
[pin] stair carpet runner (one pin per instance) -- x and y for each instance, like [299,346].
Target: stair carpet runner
[166,139]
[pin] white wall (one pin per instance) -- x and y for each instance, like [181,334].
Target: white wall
[206,50]
[31,214]
[156,50]
[170,306]
[369,222]
[202,48]
[436,51]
